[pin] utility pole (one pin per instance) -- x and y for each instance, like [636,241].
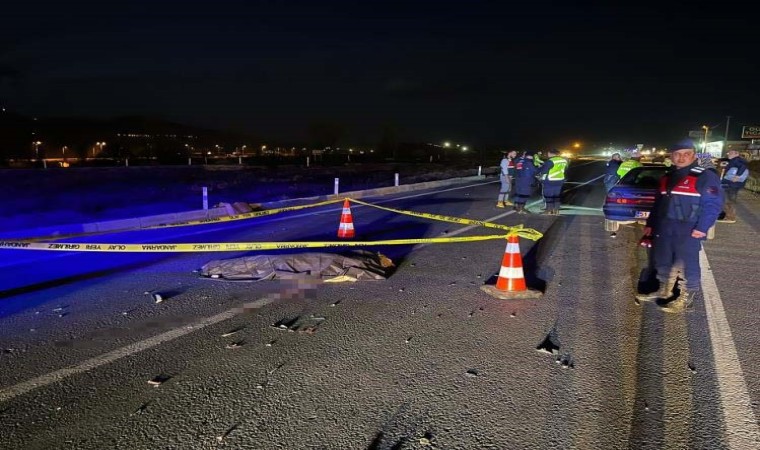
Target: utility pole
[725,139]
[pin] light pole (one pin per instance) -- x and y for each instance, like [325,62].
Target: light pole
[37,149]
[704,142]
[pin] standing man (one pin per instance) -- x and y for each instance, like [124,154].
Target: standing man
[687,204]
[632,163]
[506,169]
[525,176]
[610,175]
[733,181]
[552,172]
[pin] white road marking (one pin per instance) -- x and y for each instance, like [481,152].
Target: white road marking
[741,425]
[137,347]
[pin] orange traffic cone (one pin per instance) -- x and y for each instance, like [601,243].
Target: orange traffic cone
[511,280]
[346,227]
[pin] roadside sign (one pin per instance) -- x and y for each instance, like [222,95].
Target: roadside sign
[699,133]
[751,132]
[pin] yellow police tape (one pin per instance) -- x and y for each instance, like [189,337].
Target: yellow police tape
[33,244]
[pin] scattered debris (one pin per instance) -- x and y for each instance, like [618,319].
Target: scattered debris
[453,283]
[270,343]
[286,324]
[408,339]
[227,433]
[401,289]
[427,439]
[142,408]
[413,264]
[159,380]
[514,314]
[472,313]
[646,406]
[549,345]
[472,373]
[233,331]
[692,368]
[566,361]
[335,303]
[236,344]
[63,314]
[60,308]
[613,235]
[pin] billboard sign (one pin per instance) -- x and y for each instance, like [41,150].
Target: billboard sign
[751,132]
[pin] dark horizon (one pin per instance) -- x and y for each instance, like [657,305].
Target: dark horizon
[482,73]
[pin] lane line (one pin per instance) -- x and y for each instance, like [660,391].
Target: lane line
[107,358]
[741,425]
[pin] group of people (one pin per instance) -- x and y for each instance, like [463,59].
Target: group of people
[525,171]
[689,201]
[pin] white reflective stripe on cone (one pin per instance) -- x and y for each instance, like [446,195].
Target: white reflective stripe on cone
[346,226]
[346,210]
[512,248]
[511,272]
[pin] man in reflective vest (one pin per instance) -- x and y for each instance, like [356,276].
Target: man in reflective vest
[525,177]
[552,174]
[687,205]
[627,165]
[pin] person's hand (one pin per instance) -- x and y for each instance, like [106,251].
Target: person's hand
[697,234]
[647,231]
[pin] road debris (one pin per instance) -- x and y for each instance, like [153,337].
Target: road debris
[159,380]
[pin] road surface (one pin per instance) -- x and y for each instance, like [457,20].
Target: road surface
[424,359]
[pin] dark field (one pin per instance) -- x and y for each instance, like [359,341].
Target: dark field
[39,198]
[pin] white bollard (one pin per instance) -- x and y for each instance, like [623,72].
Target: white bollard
[205,197]
[189,161]
[126,162]
[44,164]
[307,161]
[479,167]
[396,181]
[240,160]
[337,182]
[431,158]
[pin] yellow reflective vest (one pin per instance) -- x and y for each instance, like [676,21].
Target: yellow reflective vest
[626,166]
[557,170]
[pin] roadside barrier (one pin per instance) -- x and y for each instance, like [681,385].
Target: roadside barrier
[346,226]
[33,244]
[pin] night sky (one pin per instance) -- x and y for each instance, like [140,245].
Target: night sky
[530,74]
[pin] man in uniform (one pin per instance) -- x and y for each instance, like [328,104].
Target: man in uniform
[552,173]
[631,163]
[525,176]
[687,204]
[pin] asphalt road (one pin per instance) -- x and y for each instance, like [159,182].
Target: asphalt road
[423,359]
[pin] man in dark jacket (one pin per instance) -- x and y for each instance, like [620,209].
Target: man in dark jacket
[733,181]
[687,205]
[525,178]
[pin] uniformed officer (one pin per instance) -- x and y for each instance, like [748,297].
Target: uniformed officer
[525,176]
[687,205]
[631,163]
[552,173]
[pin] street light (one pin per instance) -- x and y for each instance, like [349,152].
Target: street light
[37,149]
[100,148]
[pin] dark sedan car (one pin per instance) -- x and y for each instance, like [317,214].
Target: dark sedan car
[632,198]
